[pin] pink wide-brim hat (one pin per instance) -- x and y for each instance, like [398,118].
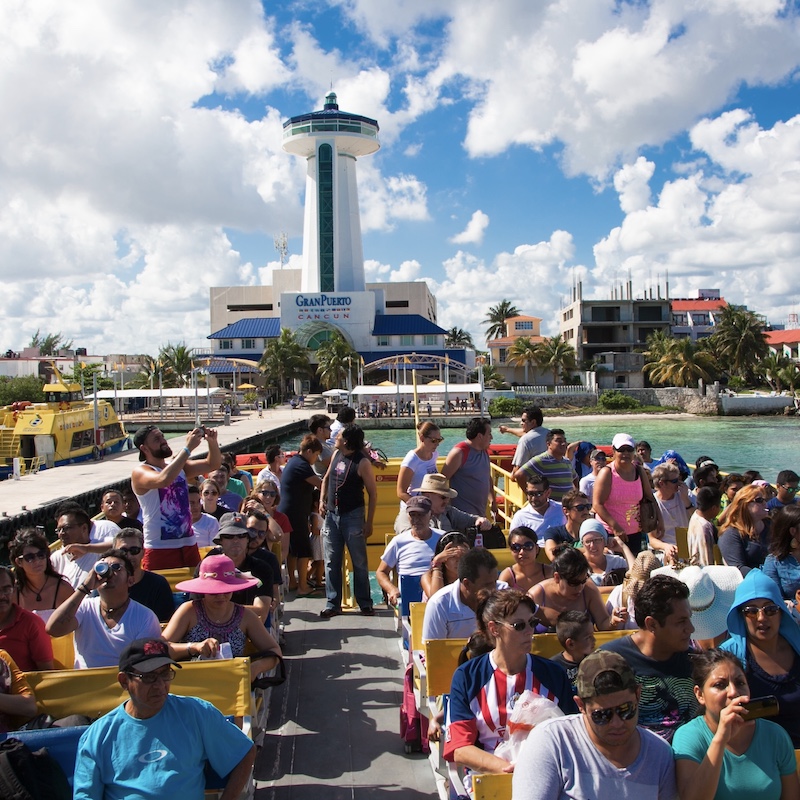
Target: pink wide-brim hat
[217,575]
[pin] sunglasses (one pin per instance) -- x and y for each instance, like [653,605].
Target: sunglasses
[435,440]
[114,566]
[39,555]
[790,489]
[581,507]
[624,449]
[625,711]
[153,677]
[519,546]
[267,494]
[520,625]
[131,551]
[752,611]
[234,535]
[536,494]
[576,584]
[671,480]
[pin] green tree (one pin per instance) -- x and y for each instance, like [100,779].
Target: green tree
[176,365]
[683,363]
[337,360]
[84,375]
[789,376]
[458,337]
[147,371]
[13,390]
[772,369]
[496,318]
[284,358]
[556,355]
[739,341]
[50,343]
[524,351]
[492,379]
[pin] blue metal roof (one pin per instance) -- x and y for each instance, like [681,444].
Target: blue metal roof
[251,328]
[404,325]
[220,366]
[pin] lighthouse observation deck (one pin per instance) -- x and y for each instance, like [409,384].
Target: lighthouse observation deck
[355,135]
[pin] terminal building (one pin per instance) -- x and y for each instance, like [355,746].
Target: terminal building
[329,294]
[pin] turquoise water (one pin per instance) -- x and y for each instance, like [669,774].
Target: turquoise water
[768,444]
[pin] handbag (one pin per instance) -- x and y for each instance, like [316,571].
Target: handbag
[648,511]
[265,681]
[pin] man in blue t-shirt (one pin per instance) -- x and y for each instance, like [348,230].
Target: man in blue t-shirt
[156,744]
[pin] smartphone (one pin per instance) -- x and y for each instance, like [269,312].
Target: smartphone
[761,707]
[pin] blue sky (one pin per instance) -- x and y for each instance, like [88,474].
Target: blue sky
[524,145]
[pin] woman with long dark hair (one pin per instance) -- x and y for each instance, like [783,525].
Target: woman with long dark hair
[39,588]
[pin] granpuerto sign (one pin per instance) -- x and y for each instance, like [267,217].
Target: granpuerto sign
[323,306]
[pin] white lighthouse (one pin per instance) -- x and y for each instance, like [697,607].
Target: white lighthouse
[331,140]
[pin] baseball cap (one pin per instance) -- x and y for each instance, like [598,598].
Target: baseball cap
[230,524]
[140,436]
[597,454]
[146,655]
[623,440]
[418,504]
[599,663]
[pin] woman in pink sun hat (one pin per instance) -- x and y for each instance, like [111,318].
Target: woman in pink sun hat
[212,618]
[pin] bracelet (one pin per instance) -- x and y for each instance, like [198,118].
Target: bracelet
[83,590]
[189,650]
[187,451]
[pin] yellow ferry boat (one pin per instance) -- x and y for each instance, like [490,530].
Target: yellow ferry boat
[61,430]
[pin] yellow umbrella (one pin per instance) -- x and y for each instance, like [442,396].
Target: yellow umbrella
[246,386]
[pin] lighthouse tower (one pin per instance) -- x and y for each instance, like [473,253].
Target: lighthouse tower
[331,140]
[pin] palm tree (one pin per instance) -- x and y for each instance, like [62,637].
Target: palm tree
[524,351]
[492,379]
[148,372]
[496,318]
[683,364]
[458,337]
[772,367]
[284,358]
[658,345]
[176,365]
[789,375]
[739,341]
[557,355]
[338,361]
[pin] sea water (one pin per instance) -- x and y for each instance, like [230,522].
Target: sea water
[768,444]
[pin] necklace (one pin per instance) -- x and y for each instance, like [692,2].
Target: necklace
[38,592]
[108,611]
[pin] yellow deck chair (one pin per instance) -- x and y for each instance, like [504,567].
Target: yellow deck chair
[604,637]
[492,787]
[417,615]
[546,645]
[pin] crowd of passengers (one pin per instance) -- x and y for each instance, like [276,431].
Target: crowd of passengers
[705,636]
[661,712]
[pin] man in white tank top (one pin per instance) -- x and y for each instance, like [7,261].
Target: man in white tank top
[163,494]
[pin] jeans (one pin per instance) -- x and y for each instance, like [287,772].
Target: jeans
[340,530]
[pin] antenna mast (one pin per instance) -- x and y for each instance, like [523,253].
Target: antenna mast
[282,246]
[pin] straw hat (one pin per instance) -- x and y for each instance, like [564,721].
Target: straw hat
[217,575]
[711,593]
[436,483]
[643,566]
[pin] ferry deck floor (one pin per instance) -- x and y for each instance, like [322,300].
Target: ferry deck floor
[333,731]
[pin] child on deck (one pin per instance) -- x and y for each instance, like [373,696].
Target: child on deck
[575,633]
[702,534]
[316,569]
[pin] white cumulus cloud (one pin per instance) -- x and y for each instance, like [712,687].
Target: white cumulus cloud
[473,233]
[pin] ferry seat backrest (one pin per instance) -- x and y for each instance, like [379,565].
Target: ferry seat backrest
[492,787]
[416,612]
[604,637]
[61,744]
[441,661]
[94,692]
[546,645]
[64,651]
[410,592]
[682,542]
[175,575]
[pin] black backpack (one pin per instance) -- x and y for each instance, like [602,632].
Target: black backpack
[29,775]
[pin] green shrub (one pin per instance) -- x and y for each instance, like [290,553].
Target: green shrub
[613,400]
[505,407]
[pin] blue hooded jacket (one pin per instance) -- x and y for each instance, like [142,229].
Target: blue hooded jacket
[756,585]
